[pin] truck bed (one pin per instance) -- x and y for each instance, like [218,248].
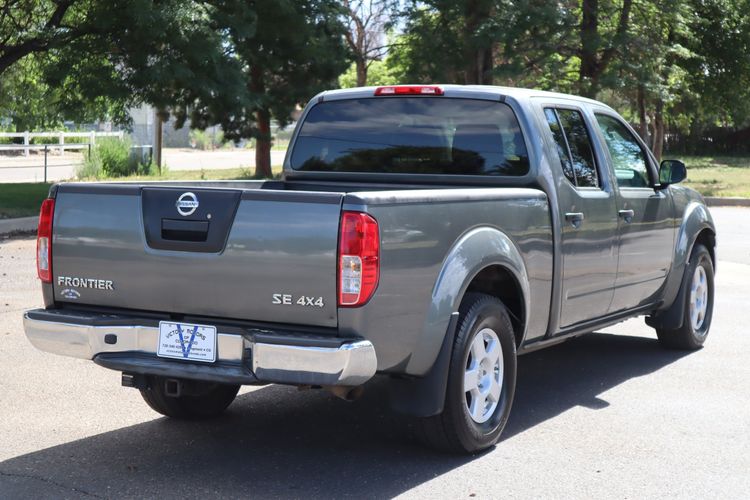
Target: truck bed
[265,252]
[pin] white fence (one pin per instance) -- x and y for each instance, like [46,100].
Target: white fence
[27,136]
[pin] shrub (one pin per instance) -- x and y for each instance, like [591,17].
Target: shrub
[204,140]
[113,158]
[45,140]
[90,168]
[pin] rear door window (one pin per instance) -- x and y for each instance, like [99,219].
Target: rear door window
[411,135]
[573,146]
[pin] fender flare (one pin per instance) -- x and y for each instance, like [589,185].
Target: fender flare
[696,219]
[475,250]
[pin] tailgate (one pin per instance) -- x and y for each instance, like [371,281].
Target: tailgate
[259,255]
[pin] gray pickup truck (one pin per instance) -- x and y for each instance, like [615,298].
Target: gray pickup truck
[428,234]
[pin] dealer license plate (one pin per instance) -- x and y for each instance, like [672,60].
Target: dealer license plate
[187,341]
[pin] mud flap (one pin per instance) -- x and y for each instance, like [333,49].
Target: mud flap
[672,317]
[425,396]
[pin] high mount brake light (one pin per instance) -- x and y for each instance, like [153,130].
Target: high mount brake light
[44,241]
[359,258]
[409,90]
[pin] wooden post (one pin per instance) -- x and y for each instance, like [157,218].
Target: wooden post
[157,140]
[26,143]
[62,142]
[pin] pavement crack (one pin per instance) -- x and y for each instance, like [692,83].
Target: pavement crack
[49,481]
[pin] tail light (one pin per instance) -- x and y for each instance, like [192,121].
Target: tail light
[409,90]
[44,241]
[359,258]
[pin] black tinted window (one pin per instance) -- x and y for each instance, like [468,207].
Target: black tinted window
[411,135]
[562,145]
[573,145]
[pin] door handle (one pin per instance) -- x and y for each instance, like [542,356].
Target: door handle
[626,215]
[574,218]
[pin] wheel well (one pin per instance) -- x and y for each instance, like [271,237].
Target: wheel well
[707,238]
[499,282]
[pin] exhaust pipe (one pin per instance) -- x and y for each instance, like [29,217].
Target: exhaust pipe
[346,392]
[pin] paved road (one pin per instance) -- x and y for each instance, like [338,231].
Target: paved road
[610,415]
[31,169]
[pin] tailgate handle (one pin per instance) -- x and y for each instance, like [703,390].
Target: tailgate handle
[184,230]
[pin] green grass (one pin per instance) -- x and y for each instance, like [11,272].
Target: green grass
[21,200]
[718,175]
[225,174]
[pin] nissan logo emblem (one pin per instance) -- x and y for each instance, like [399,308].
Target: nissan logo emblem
[187,204]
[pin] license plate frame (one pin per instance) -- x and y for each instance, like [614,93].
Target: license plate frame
[187,341]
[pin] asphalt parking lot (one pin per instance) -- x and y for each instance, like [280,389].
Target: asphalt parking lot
[609,415]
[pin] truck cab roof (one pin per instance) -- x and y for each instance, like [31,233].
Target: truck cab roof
[464,91]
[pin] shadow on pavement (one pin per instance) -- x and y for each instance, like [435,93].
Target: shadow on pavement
[280,442]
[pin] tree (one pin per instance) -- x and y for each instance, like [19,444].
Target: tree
[92,59]
[287,51]
[31,31]
[33,26]
[449,41]
[169,54]
[367,22]
[719,69]
[651,79]
[232,63]
[228,62]
[535,46]
[598,44]
[26,99]
[379,73]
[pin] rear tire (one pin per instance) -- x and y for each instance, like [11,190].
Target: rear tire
[481,380]
[204,399]
[699,304]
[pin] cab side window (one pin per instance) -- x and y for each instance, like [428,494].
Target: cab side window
[628,159]
[573,146]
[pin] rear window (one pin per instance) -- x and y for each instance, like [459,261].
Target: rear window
[411,135]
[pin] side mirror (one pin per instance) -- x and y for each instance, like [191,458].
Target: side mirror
[671,172]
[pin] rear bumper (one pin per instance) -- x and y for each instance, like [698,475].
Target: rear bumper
[243,357]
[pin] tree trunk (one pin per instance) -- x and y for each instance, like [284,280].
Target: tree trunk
[658,144]
[588,74]
[642,124]
[263,123]
[594,61]
[263,145]
[478,61]
[361,66]
[486,77]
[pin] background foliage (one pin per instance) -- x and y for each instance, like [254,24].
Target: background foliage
[679,70]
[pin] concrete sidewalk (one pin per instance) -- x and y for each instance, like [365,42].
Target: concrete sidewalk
[717,201]
[9,227]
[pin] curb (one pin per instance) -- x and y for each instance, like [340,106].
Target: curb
[22,225]
[715,201]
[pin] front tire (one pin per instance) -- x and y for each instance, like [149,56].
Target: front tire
[481,380]
[699,304]
[201,400]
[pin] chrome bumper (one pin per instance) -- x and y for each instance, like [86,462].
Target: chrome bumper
[350,364]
